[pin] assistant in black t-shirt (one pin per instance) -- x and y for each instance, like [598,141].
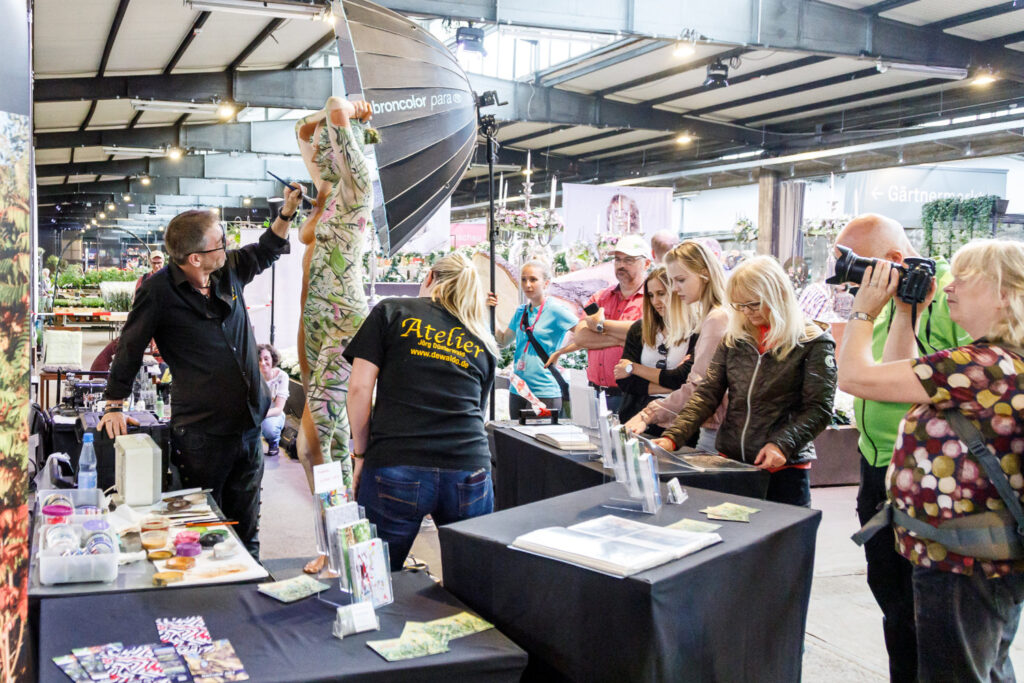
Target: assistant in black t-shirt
[432,389]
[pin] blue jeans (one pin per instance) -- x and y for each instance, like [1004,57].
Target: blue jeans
[965,625]
[398,498]
[272,427]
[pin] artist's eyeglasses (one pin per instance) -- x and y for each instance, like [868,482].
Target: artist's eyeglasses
[223,247]
[751,306]
[628,260]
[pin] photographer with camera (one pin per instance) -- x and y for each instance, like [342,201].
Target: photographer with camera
[872,236]
[955,482]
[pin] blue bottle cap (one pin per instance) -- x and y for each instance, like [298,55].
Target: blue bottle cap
[87,438]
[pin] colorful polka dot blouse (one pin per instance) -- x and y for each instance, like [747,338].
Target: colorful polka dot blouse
[932,476]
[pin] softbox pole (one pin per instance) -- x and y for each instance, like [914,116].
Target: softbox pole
[489,131]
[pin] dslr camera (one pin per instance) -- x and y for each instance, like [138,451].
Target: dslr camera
[916,274]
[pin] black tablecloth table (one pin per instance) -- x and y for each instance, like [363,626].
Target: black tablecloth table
[735,611]
[282,642]
[528,470]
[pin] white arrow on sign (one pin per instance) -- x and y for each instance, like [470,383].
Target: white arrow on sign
[875,192]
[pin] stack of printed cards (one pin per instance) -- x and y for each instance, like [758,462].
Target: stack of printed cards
[187,634]
[420,639]
[113,662]
[217,664]
[370,573]
[295,588]
[730,512]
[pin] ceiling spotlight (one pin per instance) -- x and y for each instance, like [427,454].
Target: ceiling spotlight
[246,201]
[215,210]
[102,215]
[684,48]
[145,180]
[111,206]
[899,157]
[984,78]
[94,221]
[684,139]
[126,197]
[717,75]
[527,172]
[225,110]
[174,153]
[470,39]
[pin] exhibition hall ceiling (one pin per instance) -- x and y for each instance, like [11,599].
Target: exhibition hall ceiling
[637,107]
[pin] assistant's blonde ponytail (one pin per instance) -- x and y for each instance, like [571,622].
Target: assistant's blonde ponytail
[457,287]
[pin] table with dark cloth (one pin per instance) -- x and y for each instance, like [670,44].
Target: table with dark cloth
[735,611]
[282,642]
[527,470]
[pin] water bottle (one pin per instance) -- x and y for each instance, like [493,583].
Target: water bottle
[159,407]
[87,464]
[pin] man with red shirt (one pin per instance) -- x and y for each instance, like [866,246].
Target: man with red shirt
[603,333]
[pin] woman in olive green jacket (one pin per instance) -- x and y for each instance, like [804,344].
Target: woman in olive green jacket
[779,370]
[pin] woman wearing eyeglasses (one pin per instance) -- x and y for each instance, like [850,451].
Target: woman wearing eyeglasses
[655,357]
[779,369]
[696,315]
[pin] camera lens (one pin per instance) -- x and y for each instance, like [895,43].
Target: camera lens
[849,267]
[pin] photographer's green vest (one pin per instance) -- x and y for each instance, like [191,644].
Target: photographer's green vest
[878,422]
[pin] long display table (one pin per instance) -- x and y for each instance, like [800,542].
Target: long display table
[528,470]
[279,642]
[735,611]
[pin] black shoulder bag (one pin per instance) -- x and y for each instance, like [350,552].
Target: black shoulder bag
[524,322]
[992,535]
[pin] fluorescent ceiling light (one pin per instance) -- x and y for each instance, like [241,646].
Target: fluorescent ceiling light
[984,78]
[951,72]
[135,152]
[279,8]
[742,155]
[210,108]
[684,139]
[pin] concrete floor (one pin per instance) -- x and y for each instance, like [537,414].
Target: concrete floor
[844,625]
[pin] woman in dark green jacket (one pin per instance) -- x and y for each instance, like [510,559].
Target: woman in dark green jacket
[779,369]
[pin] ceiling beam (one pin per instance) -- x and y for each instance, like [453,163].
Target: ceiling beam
[310,51]
[590,138]
[805,25]
[540,133]
[529,102]
[193,31]
[611,61]
[782,92]
[674,71]
[884,6]
[976,15]
[115,26]
[299,89]
[586,56]
[271,26]
[743,78]
[1008,39]
[848,99]
[225,137]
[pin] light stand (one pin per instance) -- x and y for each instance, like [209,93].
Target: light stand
[489,128]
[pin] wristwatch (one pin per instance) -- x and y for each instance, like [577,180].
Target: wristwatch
[600,327]
[629,369]
[286,218]
[861,315]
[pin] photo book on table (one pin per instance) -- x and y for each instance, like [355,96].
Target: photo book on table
[614,545]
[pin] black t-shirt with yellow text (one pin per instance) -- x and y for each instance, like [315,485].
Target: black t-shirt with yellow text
[432,389]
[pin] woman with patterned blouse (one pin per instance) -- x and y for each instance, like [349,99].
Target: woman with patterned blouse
[334,304]
[966,608]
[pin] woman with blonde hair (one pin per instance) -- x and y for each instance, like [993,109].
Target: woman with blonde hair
[967,599]
[780,372]
[422,449]
[655,358]
[696,313]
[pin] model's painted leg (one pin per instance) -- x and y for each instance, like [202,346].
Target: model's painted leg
[327,405]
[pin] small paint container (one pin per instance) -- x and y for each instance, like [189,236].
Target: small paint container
[187,549]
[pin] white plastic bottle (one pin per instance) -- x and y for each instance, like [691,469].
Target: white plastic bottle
[87,464]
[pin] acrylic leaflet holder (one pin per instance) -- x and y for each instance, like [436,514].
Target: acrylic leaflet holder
[637,471]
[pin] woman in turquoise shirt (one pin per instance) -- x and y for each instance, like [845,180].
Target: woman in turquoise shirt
[549,321]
